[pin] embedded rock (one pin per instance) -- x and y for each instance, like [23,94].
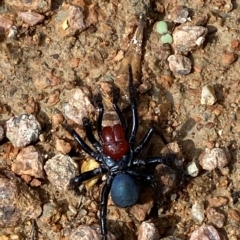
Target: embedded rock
[22,130]
[60,169]
[29,162]
[18,202]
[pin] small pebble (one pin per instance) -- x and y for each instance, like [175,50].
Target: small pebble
[188,38]
[40,82]
[193,169]
[229,58]
[217,111]
[31,106]
[179,64]
[141,210]
[206,232]
[83,212]
[22,130]
[217,201]
[210,144]
[75,62]
[72,210]
[53,79]
[60,169]
[208,96]
[63,146]
[35,183]
[234,214]
[148,230]
[216,218]
[12,32]
[31,18]
[235,45]
[173,197]
[42,137]
[197,212]
[26,178]
[29,162]
[179,14]
[54,97]
[65,24]
[57,118]
[78,106]
[214,158]
[51,213]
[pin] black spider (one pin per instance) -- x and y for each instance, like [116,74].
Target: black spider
[117,157]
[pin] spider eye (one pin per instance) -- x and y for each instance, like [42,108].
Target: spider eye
[116,150]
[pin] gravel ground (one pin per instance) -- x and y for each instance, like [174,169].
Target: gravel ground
[57,55]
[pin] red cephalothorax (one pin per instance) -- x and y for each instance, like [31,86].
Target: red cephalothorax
[114,142]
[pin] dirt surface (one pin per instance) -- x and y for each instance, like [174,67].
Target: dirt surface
[87,45]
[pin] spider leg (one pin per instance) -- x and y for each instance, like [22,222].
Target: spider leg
[76,181]
[103,211]
[161,136]
[89,133]
[149,178]
[99,104]
[81,142]
[166,160]
[117,109]
[144,142]
[133,106]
